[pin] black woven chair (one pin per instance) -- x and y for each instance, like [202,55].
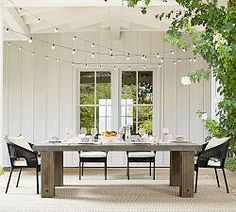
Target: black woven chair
[141,157]
[92,157]
[30,160]
[212,158]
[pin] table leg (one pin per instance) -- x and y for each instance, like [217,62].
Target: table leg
[51,172]
[186,174]
[175,168]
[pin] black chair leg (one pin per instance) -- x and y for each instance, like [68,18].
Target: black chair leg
[82,168]
[154,170]
[217,178]
[79,170]
[37,180]
[18,179]
[105,164]
[128,169]
[226,184]
[9,179]
[150,168]
[196,181]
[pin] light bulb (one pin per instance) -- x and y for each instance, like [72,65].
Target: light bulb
[92,45]
[73,51]
[112,56]
[158,55]
[144,67]
[145,58]
[114,68]
[174,62]
[53,46]
[46,57]
[184,50]
[33,53]
[30,40]
[86,65]
[110,50]
[7,29]
[74,38]
[100,66]
[128,56]
[20,48]
[172,52]
[58,60]
[190,59]
[56,29]
[129,68]
[38,20]
[179,60]
[9,43]
[159,65]
[162,59]
[72,64]
[92,54]
[194,59]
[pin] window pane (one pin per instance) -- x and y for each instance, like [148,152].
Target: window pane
[145,118]
[86,88]
[128,85]
[129,118]
[87,118]
[103,86]
[145,86]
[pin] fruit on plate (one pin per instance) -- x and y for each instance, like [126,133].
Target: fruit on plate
[109,133]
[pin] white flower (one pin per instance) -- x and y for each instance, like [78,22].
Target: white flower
[186,80]
[219,40]
[204,116]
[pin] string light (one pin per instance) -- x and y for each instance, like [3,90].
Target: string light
[184,50]
[92,54]
[53,46]
[38,20]
[46,58]
[194,46]
[129,68]
[30,40]
[100,66]
[162,59]
[20,48]
[145,58]
[112,56]
[58,60]
[174,62]
[179,60]
[73,51]
[159,65]
[20,9]
[74,38]
[144,67]
[86,65]
[194,59]
[9,43]
[114,68]
[33,53]
[190,59]
[7,29]
[172,52]
[72,64]
[158,55]
[56,29]
[92,45]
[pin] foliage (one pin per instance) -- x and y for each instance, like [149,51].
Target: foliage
[216,43]
[230,164]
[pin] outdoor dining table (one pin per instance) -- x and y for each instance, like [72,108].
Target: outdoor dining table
[181,161]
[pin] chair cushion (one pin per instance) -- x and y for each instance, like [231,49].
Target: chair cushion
[20,162]
[21,141]
[213,162]
[141,154]
[93,154]
[216,142]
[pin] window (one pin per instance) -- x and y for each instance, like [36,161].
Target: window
[133,94]
[95,100]
[137,100]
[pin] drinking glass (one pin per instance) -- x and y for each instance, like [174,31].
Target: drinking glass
[121,132]
[94,132]
[83,131]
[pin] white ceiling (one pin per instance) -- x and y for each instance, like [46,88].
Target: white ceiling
[82,15]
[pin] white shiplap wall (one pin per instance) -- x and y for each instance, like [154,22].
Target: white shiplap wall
[39,95]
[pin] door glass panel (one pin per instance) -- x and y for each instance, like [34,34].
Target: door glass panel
[86,88]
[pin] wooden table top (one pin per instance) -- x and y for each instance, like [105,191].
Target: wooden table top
[118,146]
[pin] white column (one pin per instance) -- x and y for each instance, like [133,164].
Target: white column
[1,84]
